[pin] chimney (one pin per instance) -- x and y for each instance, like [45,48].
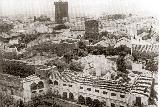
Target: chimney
[98,70]
[35,18]
[137,67]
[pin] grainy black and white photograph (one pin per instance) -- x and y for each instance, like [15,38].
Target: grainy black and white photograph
[79,53]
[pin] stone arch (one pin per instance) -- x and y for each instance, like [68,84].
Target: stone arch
[33,86]
[81,100]
[55,83]
[71,96]
[40,85]
[96,103]
[88,101]
[65,95]
[50,81]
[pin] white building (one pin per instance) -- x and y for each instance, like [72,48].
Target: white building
[71,86]
[113,93]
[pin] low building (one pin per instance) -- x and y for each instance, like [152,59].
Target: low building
[32,87]
[123,41]
[73,86]
[113,93]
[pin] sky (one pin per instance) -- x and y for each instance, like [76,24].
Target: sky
[79,7]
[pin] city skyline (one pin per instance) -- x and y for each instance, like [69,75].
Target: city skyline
[78,8]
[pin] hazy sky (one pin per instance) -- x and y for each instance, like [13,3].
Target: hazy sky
[78,7]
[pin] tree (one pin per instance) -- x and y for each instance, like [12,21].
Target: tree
[68,57]
[110,50]
[4,27]
[75,66]
[60,64]
[59,27]
[81,45]
[5,100]
[153,95]
[21,104]
[17,68]
[121,64]
[152,65]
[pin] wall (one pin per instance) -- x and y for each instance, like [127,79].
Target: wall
[27,92]
[75,89]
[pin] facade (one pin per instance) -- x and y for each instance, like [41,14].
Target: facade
[110,92]
[61,12]
[32,87]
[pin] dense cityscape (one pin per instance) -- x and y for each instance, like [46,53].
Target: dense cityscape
[109,61]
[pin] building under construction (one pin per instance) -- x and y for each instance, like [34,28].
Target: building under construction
[61,12]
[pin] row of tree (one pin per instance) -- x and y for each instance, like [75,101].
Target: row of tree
[89,102]
[17,68]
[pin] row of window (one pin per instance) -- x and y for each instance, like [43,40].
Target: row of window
[104,92]
[89,89]
[113,105]
[40,91]
[66,85]
[35,86]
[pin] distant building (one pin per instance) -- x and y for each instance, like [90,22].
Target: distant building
[61,12]
[123,41]
[137,67]
[91,30]
[35,18]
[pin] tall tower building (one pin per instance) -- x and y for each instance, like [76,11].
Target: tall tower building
[1,70]
[61,12]
[92,30]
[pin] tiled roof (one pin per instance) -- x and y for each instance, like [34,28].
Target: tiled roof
[138,87]
[146,48]
[142,86]
[95,82]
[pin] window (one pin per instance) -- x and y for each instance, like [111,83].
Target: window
[81,87]
[12,92]
[97,91]
[122,96]
[104,92]
[70,85]
[64,85]
[65,95]
[89,89]
[71,96]
[50,82]
[33,86]
[34,92]
[113,94]
[40,91]
[40,85]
